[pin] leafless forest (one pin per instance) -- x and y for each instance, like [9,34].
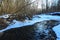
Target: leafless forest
[27,6]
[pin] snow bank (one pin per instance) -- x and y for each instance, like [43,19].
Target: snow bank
[35,19]
[57,31]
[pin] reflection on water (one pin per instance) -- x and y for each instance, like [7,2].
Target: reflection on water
[38,31]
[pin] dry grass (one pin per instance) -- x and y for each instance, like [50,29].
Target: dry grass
[11,6]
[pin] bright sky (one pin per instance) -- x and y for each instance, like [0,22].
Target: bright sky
[50,3]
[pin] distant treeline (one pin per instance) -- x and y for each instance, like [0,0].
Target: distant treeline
[24,6]
[17,6]
[53,8]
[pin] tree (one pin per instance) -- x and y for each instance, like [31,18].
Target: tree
[58,5]
[47,5]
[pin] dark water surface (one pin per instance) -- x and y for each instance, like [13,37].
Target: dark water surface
[31,32]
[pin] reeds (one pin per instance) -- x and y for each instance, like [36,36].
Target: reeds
[9,6]
[16,6]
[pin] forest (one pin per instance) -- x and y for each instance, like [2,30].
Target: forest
[29,19]
[28,6]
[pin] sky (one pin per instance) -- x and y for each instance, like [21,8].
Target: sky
[50,3]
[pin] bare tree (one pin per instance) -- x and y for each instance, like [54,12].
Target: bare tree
[46,5]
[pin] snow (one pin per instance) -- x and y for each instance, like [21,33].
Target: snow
[57,31]
[50,17]
[58,13]
[5,16]
[35,19]
[17,24]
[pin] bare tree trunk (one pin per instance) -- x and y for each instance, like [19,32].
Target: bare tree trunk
[46,5]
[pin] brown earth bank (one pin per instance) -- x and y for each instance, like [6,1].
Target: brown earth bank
[3,23]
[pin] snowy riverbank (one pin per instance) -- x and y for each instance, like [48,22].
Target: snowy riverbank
[35,19]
